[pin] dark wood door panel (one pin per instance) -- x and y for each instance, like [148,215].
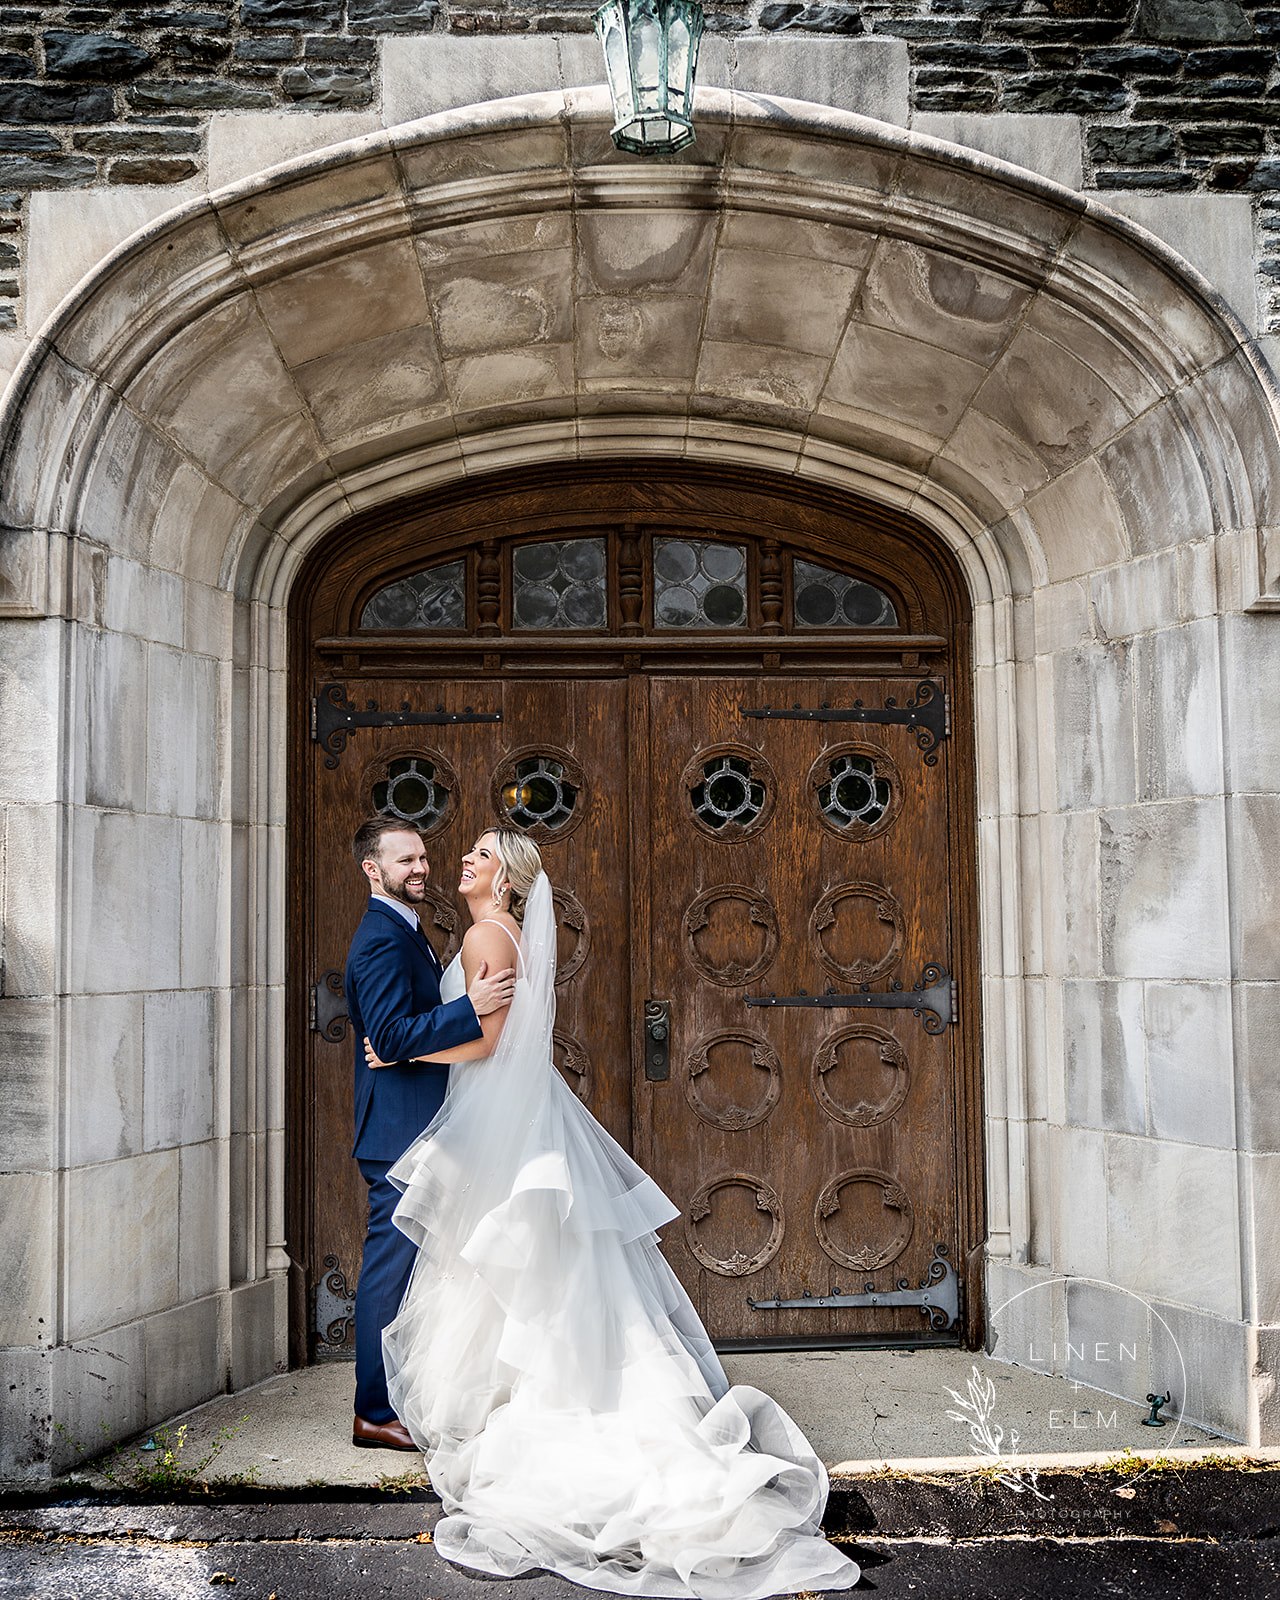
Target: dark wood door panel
[579,728]
[808,1148]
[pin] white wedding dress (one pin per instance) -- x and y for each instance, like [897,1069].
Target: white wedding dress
[573,1414]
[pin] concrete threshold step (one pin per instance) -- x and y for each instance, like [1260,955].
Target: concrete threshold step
[1231,1498]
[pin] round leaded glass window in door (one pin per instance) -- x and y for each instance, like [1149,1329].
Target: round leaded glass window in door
[541,791]
[856,789]
[416,789]
[730,789]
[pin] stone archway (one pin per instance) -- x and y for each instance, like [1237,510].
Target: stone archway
[805,291]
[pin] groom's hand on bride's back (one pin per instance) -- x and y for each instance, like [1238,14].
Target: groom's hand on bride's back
[491,991]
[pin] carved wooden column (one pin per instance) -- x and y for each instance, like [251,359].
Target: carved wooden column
[770,587]
[488,588]
[630,579]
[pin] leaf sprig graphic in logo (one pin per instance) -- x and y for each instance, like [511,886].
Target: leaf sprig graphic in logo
[986,1436]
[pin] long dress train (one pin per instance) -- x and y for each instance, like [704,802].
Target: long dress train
[571,1409]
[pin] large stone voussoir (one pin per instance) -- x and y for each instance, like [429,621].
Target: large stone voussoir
[778,380]
[376,390]
[1128,272]
[1043,395]
[307,206]
[447,245]
[1068,322]
[510,303]
[220,390]
[344,300]
[758,298]
[1158,480]
[940,299]
[126,482]
[649,252]
[624,339]
[904,379]
[456,153]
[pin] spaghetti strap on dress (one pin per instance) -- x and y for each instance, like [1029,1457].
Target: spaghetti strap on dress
[497,923]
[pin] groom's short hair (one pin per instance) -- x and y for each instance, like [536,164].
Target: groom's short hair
[367,844]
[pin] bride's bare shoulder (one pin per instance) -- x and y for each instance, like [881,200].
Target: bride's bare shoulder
[491,936]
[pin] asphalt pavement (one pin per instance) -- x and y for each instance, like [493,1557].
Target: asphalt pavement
[1180,1530]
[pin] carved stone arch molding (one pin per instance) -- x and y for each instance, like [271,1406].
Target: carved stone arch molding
[462,350]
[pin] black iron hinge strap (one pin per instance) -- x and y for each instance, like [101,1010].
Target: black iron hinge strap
[334,717]
[933,999]
[926,714]
[939,1296]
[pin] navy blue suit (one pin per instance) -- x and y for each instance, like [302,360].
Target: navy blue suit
[393,996]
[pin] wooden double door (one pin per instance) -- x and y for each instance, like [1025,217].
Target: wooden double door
[757,849]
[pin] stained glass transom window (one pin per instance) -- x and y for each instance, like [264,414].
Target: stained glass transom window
[698,584]
[412,791]
[436,598]
[856,794]
[729,793]
[826,599]
[540,793]
[560,584]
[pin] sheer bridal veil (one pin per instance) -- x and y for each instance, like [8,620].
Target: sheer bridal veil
[571,1409]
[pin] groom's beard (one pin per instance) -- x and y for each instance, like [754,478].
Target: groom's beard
[410,893]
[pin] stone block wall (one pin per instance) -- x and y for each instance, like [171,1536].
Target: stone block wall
[1135,969]
[122,1024]
[1172,96]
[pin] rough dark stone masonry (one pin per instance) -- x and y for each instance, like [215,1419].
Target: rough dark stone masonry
[1174,94]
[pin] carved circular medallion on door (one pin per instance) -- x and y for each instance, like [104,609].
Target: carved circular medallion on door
[731,791]
[718,1078]
[852,1229]
[850,1055]
[843,939]
[856,790]
[417,786]
[574,934]
[733,1223]
[731,934]
[541,791]
[572,1062]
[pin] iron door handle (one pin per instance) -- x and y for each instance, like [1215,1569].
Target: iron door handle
[657,1040]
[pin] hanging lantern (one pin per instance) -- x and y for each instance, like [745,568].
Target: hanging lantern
[650,56]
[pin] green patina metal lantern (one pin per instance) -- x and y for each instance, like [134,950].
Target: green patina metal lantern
[650,56]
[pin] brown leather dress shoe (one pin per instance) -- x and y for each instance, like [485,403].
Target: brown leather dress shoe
[391,1435]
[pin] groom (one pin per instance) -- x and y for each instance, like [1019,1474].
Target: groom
[393,996]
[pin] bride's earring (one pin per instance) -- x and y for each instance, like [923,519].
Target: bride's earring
[498,894]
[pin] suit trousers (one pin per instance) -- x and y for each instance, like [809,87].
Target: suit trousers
[384,1276]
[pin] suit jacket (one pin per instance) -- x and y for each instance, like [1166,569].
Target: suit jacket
[393,995]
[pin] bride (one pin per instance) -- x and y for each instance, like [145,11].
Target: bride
[572,1412]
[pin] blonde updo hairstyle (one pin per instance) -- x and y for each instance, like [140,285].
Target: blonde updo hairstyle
[519,863]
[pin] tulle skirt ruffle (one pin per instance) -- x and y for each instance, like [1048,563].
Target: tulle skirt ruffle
[572,1412]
